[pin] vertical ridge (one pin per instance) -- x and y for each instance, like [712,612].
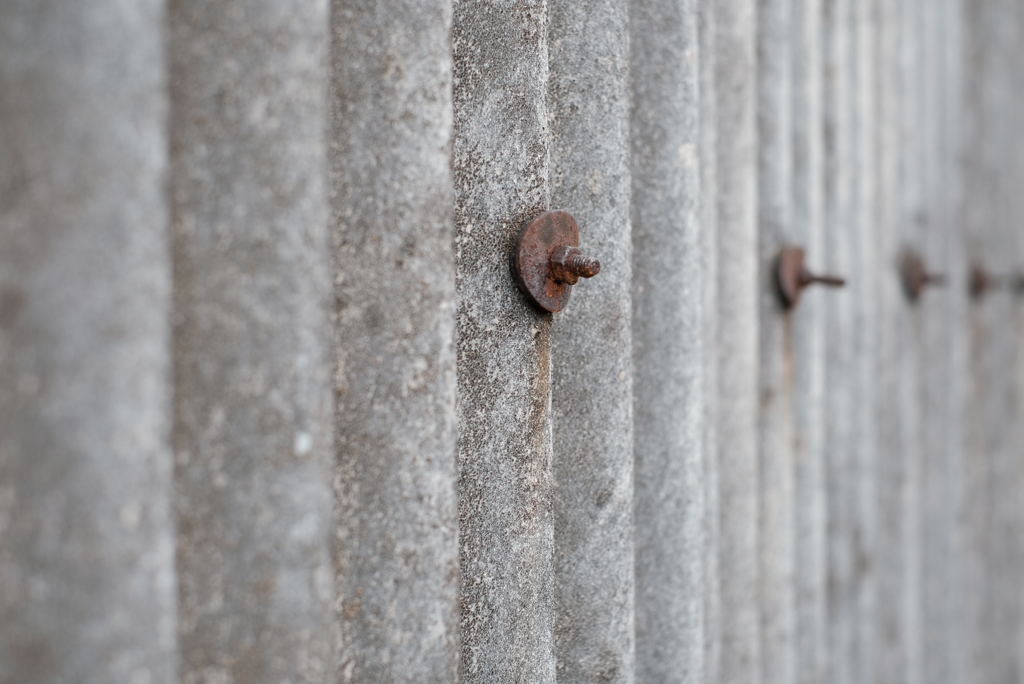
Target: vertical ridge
[501,165]
[396,553]
[252,431]
[667,332]
[738,292]
[591,343]
[86,527]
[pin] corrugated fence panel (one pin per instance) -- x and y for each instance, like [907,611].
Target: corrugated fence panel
[667,343]
[985,123]
[737,342]
[906,581]
[992,56]
[676,479]
[252,366]
[501,161]
[939,332]
[86,535]
[592,413]
[957,637]
[808,349]
[1013,248]
[889,558]
[396,550]
[775,329]
[708,208]
[837,47]
[872,266]
[1009,480]
[1007,257]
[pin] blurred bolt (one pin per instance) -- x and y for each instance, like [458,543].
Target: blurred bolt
[982,282]
[792,276]
[916,276]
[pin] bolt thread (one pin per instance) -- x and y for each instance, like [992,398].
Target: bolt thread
[808,278]
[583,266]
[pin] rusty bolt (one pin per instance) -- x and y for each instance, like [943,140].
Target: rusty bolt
[792,276]
[982,282]
[568,265]
[916,276]
[548,261]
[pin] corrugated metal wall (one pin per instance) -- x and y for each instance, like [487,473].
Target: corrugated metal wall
[273,409]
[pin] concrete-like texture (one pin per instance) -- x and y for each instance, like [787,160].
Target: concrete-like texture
[840,337]
[737,342]
[667,342]
[901,516]
[913,229]
[955,637]
[708,218]
[892,559]
[992,174]
[856,520]
[808,349]
[592,375]
[983,61]
[776,463]
[252,413]
[86,540]
[396,552]
[873,273]
[941,437]
[506,532]
[1007,256]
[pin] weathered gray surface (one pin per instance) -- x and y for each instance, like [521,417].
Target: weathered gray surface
[396,553]
[956,636]
[908,584]
[86,541]
[873,274]
[939,331]
[830,495]
[776,519]
[252,365]
[1007,256]
[840,335]
[893,558]
[913,232]
[667,342]
[808,349]
[503,345]
[738,296]
[982,209]
[708,217]
[992,189]
[592,377]
[1008,475]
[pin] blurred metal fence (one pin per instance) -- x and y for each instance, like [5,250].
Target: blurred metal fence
[273,408]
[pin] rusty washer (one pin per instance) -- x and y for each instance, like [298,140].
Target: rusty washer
[548,261]
[792,276]
[916,276]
